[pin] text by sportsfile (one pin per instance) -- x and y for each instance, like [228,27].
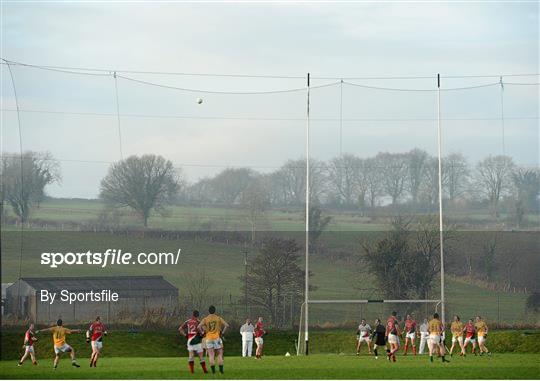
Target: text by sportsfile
[109,257]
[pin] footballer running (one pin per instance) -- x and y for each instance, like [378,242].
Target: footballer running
[481,332]
[94,335]
[29,338]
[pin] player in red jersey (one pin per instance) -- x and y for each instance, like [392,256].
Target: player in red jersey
[470,336]
[393,332]
[190,330]
[28,345]
[259,333]
[94,335]
[410,334]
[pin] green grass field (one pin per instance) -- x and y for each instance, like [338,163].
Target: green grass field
[499,366]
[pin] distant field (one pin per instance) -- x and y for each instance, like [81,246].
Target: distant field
[221,218]
[500,366]
[332,278]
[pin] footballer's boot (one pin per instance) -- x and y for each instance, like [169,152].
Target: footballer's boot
[75,364]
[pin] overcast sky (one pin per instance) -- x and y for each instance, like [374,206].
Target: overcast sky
[340,40]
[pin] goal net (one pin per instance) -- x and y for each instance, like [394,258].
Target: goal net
[333,323]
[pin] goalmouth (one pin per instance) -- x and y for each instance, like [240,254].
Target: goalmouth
[302,346]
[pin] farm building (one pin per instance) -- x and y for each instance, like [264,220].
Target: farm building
[135,295]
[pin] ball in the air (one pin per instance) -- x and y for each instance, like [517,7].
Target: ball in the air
[199,100]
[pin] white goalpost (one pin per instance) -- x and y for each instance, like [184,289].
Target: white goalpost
[302,347]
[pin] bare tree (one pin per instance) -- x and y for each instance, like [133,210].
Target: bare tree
[343,178]
[24,180]
[527,185]
[373,181]
[493,179]
[292,177]
[143,183]
[275,273]
[394,174]
[457,175]
[229,184]
[417,162]
[405,261]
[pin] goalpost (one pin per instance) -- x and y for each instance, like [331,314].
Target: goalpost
[302,347]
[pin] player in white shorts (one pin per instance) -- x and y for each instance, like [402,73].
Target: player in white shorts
[393,331]
[190,330]
[59,333]
[470,336]
[363,336]
[457,328]
[435,341]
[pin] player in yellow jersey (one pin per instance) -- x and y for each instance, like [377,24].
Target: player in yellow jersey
[481,333]
[214,328]
[59,333]
[435,328]
[457,328]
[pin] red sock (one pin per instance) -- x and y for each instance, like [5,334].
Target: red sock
[203,366]
[405,349]
[414,350]
[191,366]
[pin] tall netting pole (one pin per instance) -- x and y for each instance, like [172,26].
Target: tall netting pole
[306,290]
[439,147]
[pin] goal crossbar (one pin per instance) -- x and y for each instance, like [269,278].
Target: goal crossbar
[360,301]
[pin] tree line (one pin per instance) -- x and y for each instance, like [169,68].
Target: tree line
[352,182]
[150,182]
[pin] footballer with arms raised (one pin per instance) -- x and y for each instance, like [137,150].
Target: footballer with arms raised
[59,333]
[28,346]
[363,335]
[393,332]
[94,335]
[190,329]
[214,327]
[410,335]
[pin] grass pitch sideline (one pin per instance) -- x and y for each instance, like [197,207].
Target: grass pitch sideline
[499,366]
